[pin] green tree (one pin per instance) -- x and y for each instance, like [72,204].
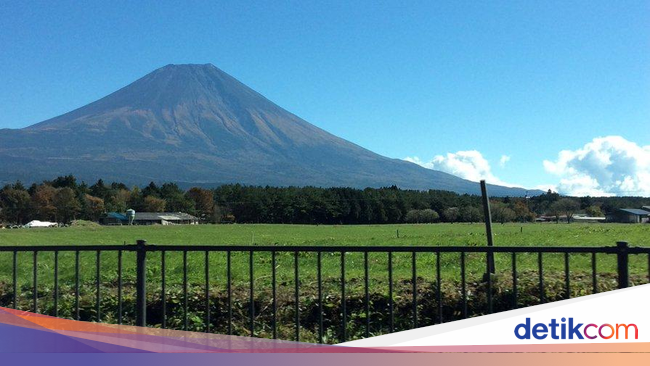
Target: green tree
[15,205]
[154,204]
[428,216]
[501,212]
[66,204]
[94,207]
[522,213]
[136,199]
[151,190]
[413,217]
[120,201]
[68,181]
[594,211]
[470,214]
[42,201]
[566,206]
[175,199]
[99,189]
[451,214]
[203,202]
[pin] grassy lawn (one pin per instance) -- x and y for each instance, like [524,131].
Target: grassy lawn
[432,234]
[380,235]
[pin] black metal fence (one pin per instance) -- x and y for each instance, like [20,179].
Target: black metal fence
[621,251]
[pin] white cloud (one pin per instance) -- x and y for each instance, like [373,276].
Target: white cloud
[504,159]
[470,165]
[606,166]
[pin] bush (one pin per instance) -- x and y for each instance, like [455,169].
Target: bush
[426,216]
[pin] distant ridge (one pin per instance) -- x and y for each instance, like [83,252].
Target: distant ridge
[195,124]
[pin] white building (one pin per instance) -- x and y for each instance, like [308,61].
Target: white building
[36,223]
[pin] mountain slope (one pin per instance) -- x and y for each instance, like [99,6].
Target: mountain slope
[195,124]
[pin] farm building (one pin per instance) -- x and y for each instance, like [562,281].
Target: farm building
[551,218]
[114,218]
[629,215]
[585,218]
[150,218]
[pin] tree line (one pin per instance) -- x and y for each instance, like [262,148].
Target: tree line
[64,199]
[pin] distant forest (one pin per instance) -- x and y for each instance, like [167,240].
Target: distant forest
[64,199]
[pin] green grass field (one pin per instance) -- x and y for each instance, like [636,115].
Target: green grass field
[431,234]
[288,235]
[281,235]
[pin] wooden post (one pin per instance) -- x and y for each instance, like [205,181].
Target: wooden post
[487,214]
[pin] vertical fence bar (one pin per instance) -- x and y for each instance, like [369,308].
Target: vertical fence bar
[319,274]
[275,300]
[567,277]
[344,309]
[540,271]
[185,296]
[119,287]
[623,264]
[296,281]
[594,279]
[229,288]
[414,279]
[207,291]
[163,290]
[35,293]
[76,284]
[15,280]
[438,288]
[56,283]
[366,292]
[390,292]
[463,283]
[251,294]
[514,280]
[141,283]
[98,295]
[648,267]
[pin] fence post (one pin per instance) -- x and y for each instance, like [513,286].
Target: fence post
[141,283]
[623,268]
[487,215]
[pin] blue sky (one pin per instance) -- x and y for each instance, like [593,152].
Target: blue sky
[480,89]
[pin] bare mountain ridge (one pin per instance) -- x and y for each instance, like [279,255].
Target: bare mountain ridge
[195,124]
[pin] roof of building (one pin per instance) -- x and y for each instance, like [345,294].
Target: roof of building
[636,211]
[598,218]
[167,216]
[117,216]
[37,223]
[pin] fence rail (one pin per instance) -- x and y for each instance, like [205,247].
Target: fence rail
[621,251]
